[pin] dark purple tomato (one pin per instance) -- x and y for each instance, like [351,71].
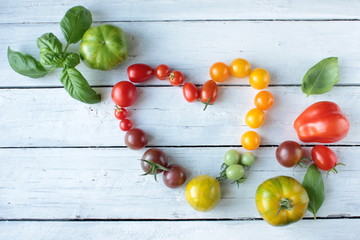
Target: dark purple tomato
[136,139]
[289,153]
[175,177]
[154,156]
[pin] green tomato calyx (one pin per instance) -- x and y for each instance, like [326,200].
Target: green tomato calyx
[285,204]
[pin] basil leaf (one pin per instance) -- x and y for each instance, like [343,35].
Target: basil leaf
[25,64]
[321,77]
[71,60]
[77,86]
[48,42]
[51,59]
[314,185]
[75,23]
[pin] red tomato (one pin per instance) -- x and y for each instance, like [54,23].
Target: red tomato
[124,94]
[176,78]
[162,72]
[125,125]
[324,158]
[120,113]
[209,93]
[190,92]
[139,72]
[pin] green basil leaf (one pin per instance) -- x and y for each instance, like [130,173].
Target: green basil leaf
[71,60]
[75,23]
[77,86]
[321,77]
[51,59]
[25,64]
[48,42]
[314,185]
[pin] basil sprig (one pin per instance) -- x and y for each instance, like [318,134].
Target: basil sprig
[321,77]
[74,24]
[314,185]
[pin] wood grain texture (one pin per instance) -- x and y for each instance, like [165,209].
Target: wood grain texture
[134,10]
[52,118]
[106,184]
[286,49]
[213,230]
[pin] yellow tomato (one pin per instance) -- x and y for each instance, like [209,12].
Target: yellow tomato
[264,100]
[259,78]
[255,118]
[281,200]
[240,68]
[219,72]
[203,193]
[250,140]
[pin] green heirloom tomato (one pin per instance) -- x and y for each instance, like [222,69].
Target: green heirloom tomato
[103,47]
[281,200]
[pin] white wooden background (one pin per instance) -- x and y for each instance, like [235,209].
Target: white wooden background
[64,170]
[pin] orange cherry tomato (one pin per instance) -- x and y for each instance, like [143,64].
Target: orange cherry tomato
[250,140]
[264,100]
[259,78]
[240,68]
[255,118]
[219,72]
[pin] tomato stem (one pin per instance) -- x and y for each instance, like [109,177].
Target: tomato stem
[153,168]
[207,104]
[284,204]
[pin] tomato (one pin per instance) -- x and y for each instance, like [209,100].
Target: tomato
[175,176]
[136,139]
[240,68]
[124,94]
[289,153]
[247,159]
[125,125]
[103,47]
[203,193]
[264,100]
[209,93]
[235,172]
[190,92]
[259,78]
[154,161]
[324,158]
[176,78]
[219,72]
[281,200]
[255,118]
[139,72]
[231,157]
[120,113]
[162,72]
[250,140]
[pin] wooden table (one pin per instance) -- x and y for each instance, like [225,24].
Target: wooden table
[66,174]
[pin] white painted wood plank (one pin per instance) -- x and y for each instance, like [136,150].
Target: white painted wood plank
[53,11]
[106,184]
[286,49]
[49,117]
[307,229]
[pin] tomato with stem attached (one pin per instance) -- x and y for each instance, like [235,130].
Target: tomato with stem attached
[120,113]
[162,72]
[235,172]
[324,158]
[176,78]
[209,93]
[190,92]
[154,161]
[219,72]
[289,153]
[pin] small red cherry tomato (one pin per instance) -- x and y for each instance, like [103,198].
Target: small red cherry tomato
[162,72]
[209,93]
[120,113]
[176,78]
[125,125]
[190,92]
[324,158]
[139,72]
[124,94]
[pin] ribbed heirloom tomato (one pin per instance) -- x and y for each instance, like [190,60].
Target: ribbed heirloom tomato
[281,200]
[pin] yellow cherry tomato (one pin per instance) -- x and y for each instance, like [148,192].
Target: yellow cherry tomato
[240,68]
[219,72]
[203,193]
[250,140]
[255,118]
[264,100]
[259,78]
